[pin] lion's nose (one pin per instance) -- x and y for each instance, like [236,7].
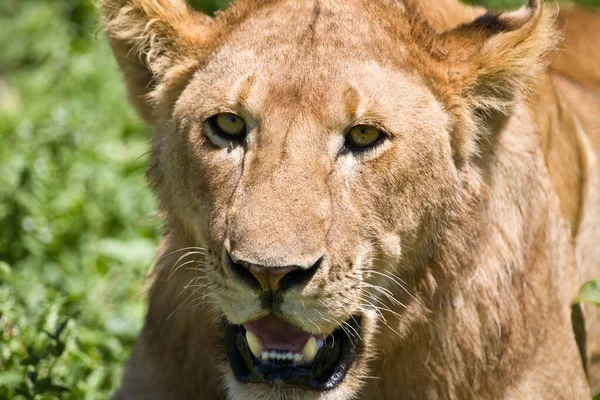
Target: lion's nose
[272,278]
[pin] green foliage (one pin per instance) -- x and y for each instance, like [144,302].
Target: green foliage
[590,292]
[209,6]
[37,382]
[77,231]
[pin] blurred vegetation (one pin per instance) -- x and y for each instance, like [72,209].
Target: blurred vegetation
[76,217]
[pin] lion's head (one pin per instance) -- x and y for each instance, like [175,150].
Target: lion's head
[318,154]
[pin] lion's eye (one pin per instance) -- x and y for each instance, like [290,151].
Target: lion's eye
[228,125]
[363,136]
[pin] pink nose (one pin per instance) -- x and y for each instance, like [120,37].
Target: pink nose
[269,277]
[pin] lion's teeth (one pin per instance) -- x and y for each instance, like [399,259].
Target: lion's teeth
[320,343]
[254,343]
[310,349]
[308,353]
[283,356]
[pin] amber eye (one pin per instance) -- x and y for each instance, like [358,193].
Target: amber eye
[363,136]
[228,125]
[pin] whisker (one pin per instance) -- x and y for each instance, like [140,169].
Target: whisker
[179,306]
[353,329]
[368,377]
[384,292]
[400,283]
[385,308]
[199,249]
[376,308]
[201,300]
[176,267]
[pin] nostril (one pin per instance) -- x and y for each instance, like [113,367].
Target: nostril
[299,277]
[242,272]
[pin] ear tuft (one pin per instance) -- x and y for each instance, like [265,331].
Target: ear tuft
[150,38]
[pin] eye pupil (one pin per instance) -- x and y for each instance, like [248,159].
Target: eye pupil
[362,137]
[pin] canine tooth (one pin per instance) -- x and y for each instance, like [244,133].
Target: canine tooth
[254,343]
[310,349]
[297,357]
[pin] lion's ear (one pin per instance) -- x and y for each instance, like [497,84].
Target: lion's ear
[505,53]
[153,41]
[495,59]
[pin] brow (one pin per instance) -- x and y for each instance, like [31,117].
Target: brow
[241,91]
[352,103]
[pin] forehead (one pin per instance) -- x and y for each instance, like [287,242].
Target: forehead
[311,36]
[295,54]
[365,27]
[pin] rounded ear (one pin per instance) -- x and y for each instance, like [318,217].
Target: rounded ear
[505,53]
[492,62]
[154,41]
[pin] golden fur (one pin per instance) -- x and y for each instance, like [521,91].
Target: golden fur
[462,239]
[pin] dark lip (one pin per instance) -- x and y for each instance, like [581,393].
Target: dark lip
[326,372]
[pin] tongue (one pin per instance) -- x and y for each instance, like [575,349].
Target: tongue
[276,334]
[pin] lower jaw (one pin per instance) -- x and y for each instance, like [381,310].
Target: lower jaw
[326,372]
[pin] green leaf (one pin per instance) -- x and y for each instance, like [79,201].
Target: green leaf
[590,292]
[4,269]
[57,349]
[46,386]
[32,357]
[32,375]
[5,393]
[30,360]
[24,389]
[43,385]
[61,328]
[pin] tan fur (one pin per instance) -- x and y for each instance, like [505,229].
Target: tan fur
[462,239]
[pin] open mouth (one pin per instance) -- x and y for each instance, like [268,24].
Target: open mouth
[273,351]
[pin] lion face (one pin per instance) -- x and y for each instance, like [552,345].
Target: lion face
[299,221]
[308,151]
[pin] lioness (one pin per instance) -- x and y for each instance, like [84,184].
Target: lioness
[369,199]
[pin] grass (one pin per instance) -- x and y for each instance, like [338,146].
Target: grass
[78,231]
